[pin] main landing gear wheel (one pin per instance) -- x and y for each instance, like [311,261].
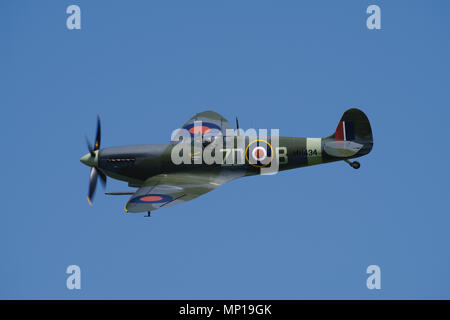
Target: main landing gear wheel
[353,164]
[148,214]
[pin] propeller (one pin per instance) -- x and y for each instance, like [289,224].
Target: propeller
[95,172]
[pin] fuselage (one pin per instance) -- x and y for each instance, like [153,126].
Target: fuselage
[136,163]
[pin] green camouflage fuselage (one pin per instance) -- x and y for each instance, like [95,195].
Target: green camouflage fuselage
[135,164]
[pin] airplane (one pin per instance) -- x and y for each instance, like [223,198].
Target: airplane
[161,183]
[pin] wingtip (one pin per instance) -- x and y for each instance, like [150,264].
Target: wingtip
[89,201]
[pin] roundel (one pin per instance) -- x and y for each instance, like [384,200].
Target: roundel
[201,128]
[259,153]
[152,198]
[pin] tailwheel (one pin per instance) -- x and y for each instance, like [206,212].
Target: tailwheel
[353,164]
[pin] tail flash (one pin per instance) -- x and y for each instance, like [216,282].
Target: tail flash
[345,131]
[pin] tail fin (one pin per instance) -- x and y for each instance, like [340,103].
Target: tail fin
[353,136]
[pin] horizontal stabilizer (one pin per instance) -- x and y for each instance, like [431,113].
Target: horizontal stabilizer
[342,148]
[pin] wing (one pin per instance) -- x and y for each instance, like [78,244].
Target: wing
[207,123]
[166,190]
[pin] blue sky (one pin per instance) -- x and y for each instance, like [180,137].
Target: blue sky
[148,66]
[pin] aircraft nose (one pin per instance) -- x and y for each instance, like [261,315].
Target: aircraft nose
[88,160]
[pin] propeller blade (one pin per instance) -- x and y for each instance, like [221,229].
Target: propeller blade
[102,178]
[98,135]
[91,151]
[92,184]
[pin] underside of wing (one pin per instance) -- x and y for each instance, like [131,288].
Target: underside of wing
[165,190]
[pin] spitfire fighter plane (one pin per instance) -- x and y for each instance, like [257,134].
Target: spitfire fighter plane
[162,183]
